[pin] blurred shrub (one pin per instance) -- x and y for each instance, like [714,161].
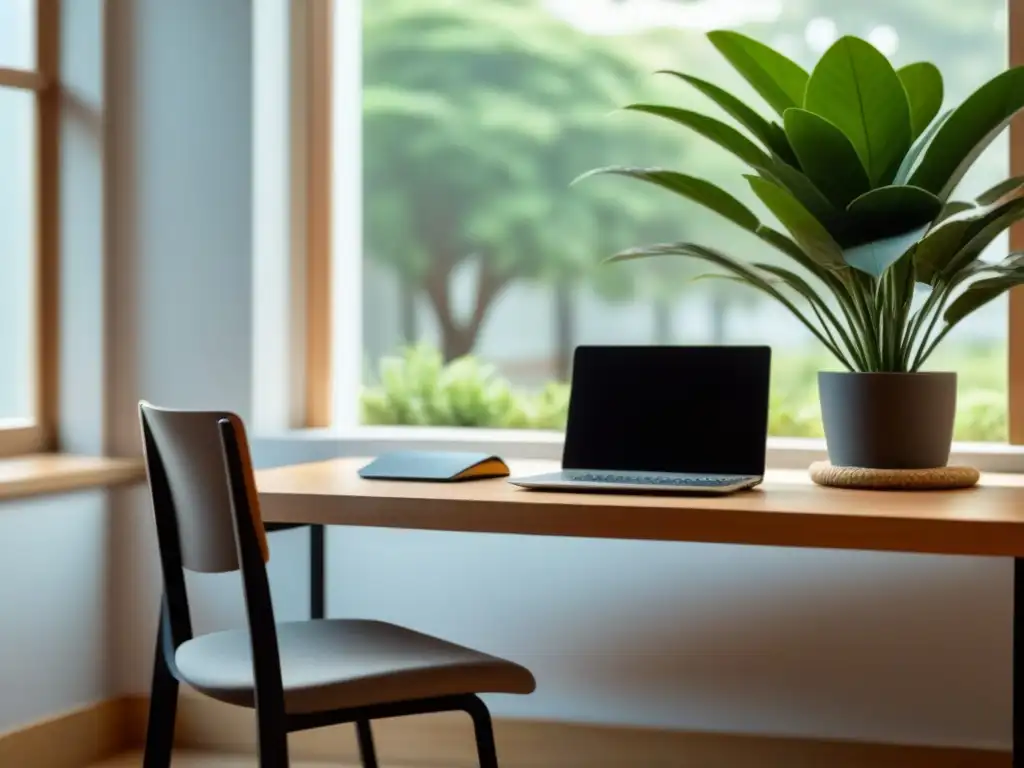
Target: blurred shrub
[981,416]
[792,417]
[418,389]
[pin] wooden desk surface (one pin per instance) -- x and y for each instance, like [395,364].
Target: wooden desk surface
[787,510]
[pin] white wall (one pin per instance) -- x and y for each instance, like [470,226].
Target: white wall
[53,606]
[852,645]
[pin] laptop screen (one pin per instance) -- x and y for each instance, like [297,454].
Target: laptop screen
[669,409]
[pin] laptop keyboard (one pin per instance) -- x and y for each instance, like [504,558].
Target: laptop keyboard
[689,481]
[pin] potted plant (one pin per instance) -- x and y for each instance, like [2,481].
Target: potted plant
[877,260]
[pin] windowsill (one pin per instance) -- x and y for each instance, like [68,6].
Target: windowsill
[46,473]
[783,452]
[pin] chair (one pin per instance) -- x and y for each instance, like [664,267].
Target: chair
[296,675]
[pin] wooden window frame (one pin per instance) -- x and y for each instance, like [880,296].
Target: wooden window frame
[311,60]
[1015,338]
[38,434]
[319,352]
[314,22]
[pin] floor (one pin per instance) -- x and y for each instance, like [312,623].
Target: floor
[202,760]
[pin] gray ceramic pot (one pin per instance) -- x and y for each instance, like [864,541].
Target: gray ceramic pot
[888,420]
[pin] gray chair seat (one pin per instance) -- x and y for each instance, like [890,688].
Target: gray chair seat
[342,663]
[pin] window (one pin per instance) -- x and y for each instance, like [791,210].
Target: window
[455,233]
[28,232]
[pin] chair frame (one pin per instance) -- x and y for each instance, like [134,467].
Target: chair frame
[175,628]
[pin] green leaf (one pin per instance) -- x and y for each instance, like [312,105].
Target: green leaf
[784,244]
[769,134]
[725,136]
[983,236]
[961,238]
[952,208]
[833,327]
[1012,262]
[875,257]
[980,293]
[923,84]
[832,275]
[909,164]
[742,271]
[826,156]
[836,279]
[969,130]
[855,87]
[897,291]
[830,323]
[939,247]
[797,283]
[808,232]
[804,190]
[992,194]
[902,274]
[700,191]
[778,80]
[889,211]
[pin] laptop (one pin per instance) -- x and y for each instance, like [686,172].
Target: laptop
[664,420]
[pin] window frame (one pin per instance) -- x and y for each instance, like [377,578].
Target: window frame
[328,362]
[1015,337]
[38,434]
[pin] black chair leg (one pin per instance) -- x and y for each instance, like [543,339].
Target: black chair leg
[273,747]
[272,741]
[163,708]
[485,748]
[366,749]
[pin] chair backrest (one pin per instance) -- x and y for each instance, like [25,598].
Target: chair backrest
[208,519]
[185,462]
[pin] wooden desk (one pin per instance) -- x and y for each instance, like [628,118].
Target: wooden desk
[787,511]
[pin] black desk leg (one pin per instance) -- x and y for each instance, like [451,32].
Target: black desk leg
[1018,662]
[316,572]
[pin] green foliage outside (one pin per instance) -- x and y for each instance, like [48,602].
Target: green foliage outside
[478,114]
[419,389]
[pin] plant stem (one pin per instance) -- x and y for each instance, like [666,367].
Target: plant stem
[900,298]
[926,353]
[848,343]
[766,287]
[916,322]
[925,348]
[868,322]
[825,326]
[886,318]
[856,343]
[848,306]
[829,345]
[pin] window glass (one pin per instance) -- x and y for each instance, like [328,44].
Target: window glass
[477,115]
[17,253]
[18,34]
